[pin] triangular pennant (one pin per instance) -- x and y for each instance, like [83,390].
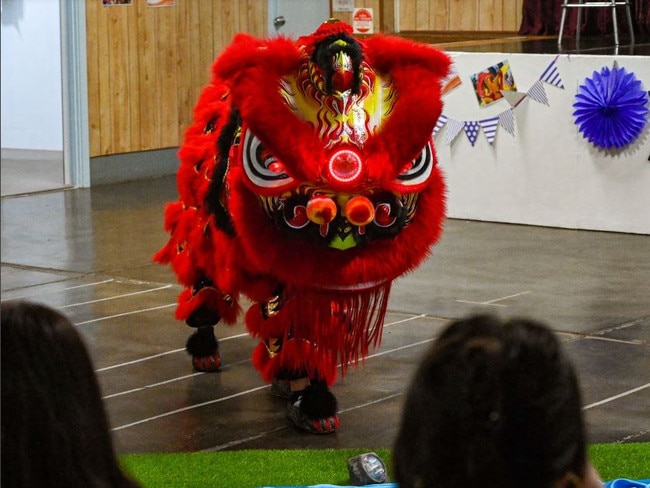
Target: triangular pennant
[514,98]
[538,93]
[551,75]
[472,128]
[507,121]
[453,129]
[442,120]
[489,127]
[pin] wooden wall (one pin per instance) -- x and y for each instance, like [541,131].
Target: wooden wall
[460,15]
[147,65]
[443,15]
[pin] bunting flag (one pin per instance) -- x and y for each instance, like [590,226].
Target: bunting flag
[537,93]
[442,120]
[472,128]
[514,98]
[507,121]
[453,129]
[489,127]
[551,75]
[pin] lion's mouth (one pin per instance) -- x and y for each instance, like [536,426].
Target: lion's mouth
[340,221]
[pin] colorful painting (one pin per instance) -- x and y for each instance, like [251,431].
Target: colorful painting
[489,83]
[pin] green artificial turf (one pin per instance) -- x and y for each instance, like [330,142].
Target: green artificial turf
[252,469]
[243,469]
[613,461]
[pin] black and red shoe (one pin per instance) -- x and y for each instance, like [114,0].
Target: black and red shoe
[314,409]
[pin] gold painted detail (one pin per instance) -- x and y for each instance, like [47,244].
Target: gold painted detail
[273,346]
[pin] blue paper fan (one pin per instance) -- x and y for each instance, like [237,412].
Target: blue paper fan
[611,108]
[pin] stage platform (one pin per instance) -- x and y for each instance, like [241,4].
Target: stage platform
[515,43]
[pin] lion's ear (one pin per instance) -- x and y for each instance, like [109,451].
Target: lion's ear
[275,57]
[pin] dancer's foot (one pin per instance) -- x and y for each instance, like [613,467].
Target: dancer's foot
[313,409]
[204,349]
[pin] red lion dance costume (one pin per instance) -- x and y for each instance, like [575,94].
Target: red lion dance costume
[308,183]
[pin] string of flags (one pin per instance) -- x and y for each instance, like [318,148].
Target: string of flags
[505,119]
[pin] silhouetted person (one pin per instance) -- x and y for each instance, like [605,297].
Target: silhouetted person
[54,427]
[494,404]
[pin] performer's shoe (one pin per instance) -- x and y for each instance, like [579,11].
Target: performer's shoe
[314,409]
[207,364]
[202,345]
[325,425]
[281,388]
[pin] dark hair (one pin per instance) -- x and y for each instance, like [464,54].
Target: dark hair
[493,404]
[54,426]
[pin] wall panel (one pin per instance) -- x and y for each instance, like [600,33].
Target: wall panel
[147,66]
[460,15]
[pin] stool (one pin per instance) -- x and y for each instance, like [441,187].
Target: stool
[602,4]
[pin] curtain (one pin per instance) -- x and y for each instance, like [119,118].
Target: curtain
[542,17]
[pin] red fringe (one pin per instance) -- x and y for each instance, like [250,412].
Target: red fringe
[319,328]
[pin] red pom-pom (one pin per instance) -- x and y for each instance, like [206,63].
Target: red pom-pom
[359,211]
[321,210]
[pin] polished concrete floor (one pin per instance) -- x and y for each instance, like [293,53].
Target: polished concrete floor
[26,171]
[88,253]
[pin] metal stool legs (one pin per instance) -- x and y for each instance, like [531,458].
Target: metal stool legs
[610,4]
[564,7]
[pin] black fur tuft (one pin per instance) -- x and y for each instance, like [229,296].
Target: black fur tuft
[202,343]
[215,196]
[318,401]
[327,48]
[203,317]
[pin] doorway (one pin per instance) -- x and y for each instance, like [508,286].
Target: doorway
[32,101]
[295,18]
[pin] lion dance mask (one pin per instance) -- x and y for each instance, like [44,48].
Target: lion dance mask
[308,183]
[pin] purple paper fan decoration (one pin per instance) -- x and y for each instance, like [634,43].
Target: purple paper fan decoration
[611,108]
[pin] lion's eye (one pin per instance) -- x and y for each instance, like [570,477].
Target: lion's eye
[418,170]
[261,167]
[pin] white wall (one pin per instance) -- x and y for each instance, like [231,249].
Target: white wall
[301,17]
[547,174]
[32,114]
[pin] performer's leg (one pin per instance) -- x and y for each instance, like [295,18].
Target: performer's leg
[202,345]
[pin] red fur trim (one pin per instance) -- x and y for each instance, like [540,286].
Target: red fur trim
[253,70]
[417,70]
[271,327]
[328,28]
[211,298]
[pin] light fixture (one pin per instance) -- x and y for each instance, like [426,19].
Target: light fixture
[366,469]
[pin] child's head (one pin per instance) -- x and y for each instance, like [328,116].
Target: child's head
[54,426]
[492,404]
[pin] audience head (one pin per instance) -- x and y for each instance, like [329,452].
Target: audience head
[493,404]
[55,431]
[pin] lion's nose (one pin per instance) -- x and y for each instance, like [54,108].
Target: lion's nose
[359,211]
